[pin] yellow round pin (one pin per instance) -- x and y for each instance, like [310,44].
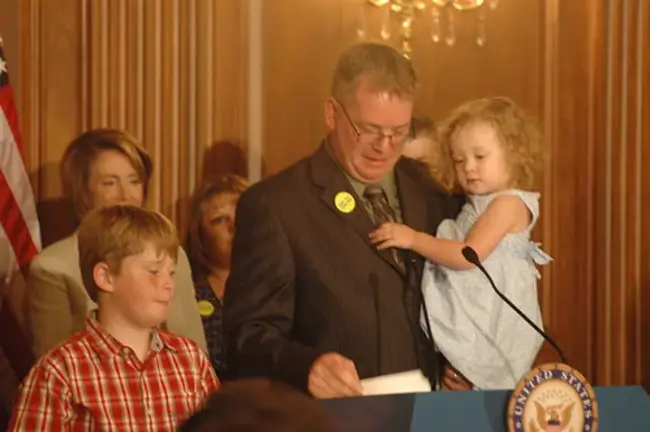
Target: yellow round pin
[344,202]
[206,308]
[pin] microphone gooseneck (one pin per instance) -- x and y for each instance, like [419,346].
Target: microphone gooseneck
[472,257]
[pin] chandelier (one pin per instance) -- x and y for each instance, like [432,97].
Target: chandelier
[442,19]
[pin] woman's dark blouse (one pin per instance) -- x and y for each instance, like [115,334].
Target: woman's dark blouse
[211,310]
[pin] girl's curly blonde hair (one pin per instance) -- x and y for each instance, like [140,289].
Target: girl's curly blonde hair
[518,133]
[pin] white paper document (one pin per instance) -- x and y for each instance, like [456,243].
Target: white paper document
[404,382]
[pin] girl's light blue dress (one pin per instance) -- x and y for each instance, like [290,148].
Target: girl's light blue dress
[474,329]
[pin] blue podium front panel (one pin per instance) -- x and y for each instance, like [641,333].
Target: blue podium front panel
[620,409]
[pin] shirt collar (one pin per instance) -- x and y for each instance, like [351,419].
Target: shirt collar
[106,345]
[387,184]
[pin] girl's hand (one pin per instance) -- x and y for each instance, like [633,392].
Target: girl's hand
[391,235]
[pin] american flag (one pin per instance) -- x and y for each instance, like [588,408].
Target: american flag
[19,228]
[18,219]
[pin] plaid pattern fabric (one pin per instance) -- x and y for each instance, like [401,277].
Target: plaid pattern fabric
[94,383]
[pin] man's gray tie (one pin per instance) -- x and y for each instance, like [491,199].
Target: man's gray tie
[383,213]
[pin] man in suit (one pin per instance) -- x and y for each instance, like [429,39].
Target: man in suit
[309,301]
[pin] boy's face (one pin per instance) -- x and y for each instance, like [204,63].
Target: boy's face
[142,290]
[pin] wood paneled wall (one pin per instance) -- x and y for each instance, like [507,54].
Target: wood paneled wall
[622,197]
[597,188]
[172,72]
[175,72]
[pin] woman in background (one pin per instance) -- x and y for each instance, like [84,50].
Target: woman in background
[209,243]
[424,142]
[424,146]
[101,167]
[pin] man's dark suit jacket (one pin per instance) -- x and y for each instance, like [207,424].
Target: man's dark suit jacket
[305,280]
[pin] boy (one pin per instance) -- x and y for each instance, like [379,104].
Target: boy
[121,372]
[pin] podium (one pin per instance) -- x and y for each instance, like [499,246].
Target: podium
[619,409]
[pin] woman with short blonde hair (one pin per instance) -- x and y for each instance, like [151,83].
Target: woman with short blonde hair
[78,159]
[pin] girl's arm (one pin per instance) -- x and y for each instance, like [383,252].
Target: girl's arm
[505,214]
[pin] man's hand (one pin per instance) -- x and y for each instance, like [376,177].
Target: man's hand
[453,380]
[332,376]
[390,235]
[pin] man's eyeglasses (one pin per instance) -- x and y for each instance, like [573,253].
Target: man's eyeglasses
[397,136]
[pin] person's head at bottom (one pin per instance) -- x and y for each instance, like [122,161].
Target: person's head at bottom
[253,405]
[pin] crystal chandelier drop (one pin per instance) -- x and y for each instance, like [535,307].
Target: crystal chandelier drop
[442,19]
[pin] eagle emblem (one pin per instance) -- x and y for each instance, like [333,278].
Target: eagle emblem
[553,398]
[552,419]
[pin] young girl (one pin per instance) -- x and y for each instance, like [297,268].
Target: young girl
[493,149]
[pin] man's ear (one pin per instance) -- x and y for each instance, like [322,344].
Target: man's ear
[330,113]
[103,277]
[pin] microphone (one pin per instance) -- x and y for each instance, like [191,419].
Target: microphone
[472,257]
